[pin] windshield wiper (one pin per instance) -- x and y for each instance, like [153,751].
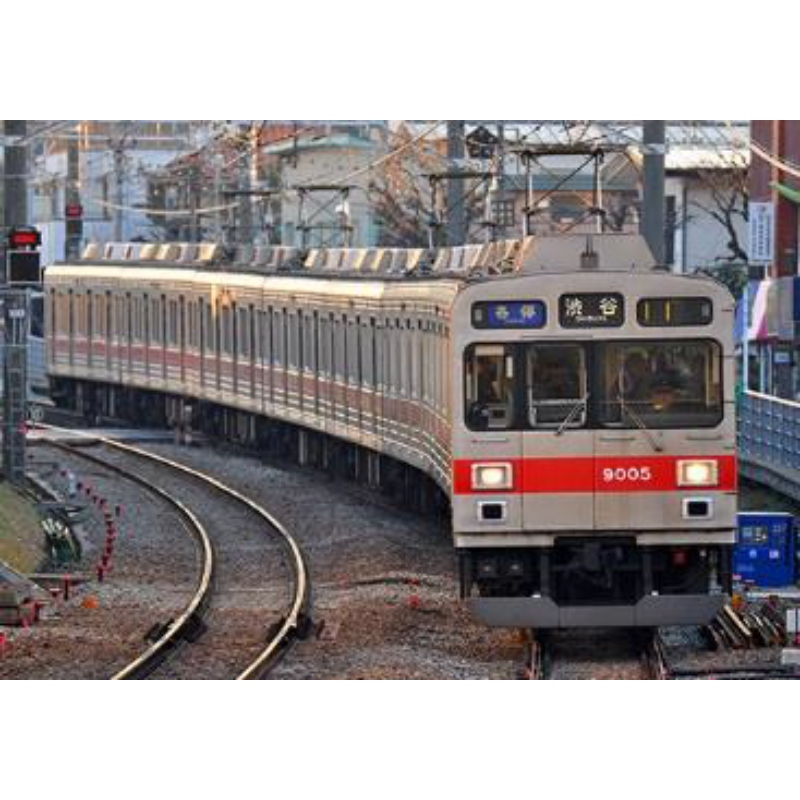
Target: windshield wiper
[572,412]
[639,422]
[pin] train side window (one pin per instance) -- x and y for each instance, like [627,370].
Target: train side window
[155,321]
[266,338]
[373,352]
[89,315]
[377,355]
[309,362]
[301,331]
[193,326]
[365,354]
[293,343]
[353,352]
[422,373]
[251,333]
[226,330]
[401,355]
[314,339]
[387,352]
[99,316]
[172,322]
[52,318]
[320,343]
[489,376]
[208,324]
[243,332]
[278,337]
[339,354]
[133,332]
[235,331]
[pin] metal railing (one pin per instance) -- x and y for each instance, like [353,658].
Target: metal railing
[769,441]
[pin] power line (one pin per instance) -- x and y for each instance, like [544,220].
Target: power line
[776,161]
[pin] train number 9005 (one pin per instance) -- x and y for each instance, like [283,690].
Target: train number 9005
[627,474]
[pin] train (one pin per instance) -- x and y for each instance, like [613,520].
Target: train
[568,400]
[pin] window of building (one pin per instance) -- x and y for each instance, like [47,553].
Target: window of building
[504,213]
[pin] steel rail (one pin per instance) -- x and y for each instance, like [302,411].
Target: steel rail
[145,663]
[291,625]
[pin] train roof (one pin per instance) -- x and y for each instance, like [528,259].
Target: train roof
[606,251]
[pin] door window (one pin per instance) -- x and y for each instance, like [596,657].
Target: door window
[490,387]
[555,385]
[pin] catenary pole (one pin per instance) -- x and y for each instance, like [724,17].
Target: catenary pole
[652,220]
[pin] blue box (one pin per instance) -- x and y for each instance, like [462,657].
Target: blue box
[765,548]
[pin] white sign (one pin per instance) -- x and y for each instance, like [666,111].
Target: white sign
[761,228]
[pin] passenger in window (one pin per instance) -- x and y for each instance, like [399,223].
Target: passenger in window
[636,379]
[488,382]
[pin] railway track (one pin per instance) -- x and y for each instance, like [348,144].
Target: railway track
[603,654]
[217,575]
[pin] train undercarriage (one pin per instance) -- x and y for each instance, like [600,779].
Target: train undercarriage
[109,404]
[587,581]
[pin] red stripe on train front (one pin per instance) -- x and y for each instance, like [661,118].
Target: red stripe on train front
[614,474]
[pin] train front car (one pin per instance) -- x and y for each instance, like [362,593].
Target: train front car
[594,474]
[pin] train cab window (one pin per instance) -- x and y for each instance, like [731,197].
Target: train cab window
[556,385]
[665,384]
[489,387]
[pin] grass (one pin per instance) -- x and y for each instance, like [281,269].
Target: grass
[21,538]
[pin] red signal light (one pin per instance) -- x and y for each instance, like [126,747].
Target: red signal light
[24,237]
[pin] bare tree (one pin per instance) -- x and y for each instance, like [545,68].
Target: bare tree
[402,196]
[727,203]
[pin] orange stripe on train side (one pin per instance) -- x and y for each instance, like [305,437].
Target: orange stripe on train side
[606,474]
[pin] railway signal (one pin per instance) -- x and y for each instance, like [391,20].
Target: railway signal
[23,259]
[22,268]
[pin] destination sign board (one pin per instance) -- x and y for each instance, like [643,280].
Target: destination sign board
[504,314]
[591,310]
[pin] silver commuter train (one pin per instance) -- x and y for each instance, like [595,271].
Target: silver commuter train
[573,402]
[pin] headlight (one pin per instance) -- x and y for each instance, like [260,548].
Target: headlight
[492,477]
[697,473]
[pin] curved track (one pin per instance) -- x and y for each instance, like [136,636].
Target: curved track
[294,618]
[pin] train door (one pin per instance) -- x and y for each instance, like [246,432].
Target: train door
[558,446]
[487,464]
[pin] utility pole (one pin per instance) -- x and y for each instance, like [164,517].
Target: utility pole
[244,222]
[456,213]
[15,308]
[118,143]
[652,225]
[74,226]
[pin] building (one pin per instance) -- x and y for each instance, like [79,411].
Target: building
[772,326]
[324,175]
[706,205]
[95,173]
